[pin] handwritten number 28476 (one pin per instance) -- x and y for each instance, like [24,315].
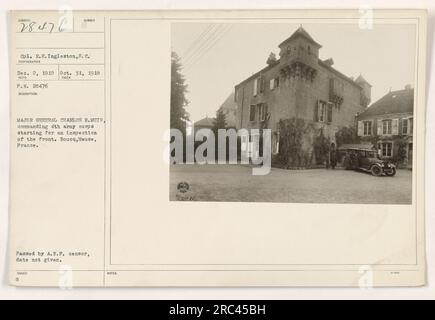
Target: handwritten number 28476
[48,27]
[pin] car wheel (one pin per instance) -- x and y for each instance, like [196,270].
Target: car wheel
[376,170]
[391,173]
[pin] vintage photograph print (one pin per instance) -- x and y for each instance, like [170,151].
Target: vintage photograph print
[291,112]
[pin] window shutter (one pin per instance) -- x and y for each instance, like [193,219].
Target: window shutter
[360,128]
[316,111]
[395,127]
[255,86]
[329,112]
[252,113]
[379,122]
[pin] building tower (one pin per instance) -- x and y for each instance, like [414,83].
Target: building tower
[299,55]
[366,92]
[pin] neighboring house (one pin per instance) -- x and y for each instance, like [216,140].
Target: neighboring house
[300,85]
[388,123]
[204,123]
[229,108]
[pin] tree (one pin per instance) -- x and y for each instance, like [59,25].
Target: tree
[220,122]
[400,156]
[271,59]
[179,115]
[346,135]
[321,147]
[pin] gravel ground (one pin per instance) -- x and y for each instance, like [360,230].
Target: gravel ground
[236,183]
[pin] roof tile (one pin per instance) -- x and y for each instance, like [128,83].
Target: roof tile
[400,101]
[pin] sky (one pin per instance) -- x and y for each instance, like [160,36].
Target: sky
[217,56]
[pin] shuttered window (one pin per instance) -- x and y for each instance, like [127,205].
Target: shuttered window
[252,112]
[367,128]
[386,126]
[262,111]
[259,84]
[262,84]
[274,83]
[321,111]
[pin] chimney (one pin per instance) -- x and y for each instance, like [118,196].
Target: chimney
[408,87]
[329,62]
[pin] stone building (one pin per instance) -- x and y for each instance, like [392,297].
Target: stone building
[299,85]
[388,125]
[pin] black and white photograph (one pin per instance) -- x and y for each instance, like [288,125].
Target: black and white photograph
[292,112]
[192,153]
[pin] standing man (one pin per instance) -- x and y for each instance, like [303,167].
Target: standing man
[333,156]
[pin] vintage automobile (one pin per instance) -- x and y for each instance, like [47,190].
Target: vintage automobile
[365,158]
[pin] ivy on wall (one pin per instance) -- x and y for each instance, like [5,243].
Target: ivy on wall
[346,135]
[401,154]
[300,143]
[321,147]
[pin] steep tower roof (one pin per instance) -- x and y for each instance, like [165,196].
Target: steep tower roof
[301,32]
[361,79]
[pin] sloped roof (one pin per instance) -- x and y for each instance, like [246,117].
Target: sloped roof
[338,73]
[256,74]
[400,101]
[301,32]
[204,122]
[229,103]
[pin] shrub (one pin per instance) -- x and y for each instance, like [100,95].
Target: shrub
[346,135]
[321,148]
[400,156]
